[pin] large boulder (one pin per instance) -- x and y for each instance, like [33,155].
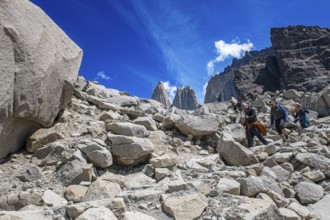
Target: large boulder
[130,151]
[319,102]
[314,160]
[197,126]
[309,192]
[39,64]
[234,153]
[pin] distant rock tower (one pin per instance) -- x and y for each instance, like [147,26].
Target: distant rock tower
[185,98]
[160,95]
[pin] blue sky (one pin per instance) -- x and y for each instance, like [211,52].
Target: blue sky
[130,45]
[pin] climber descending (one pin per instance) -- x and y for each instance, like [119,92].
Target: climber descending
[253,126]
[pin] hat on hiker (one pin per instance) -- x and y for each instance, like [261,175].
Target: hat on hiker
[270,102]
[244,105]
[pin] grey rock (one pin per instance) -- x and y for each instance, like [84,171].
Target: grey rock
[52,154]
[252,185]
[189,206]
[38,214]
[29,174]
[98,155]
[281,174]
[161,173]
[163,161]
[302,211]
[130,151]
[197,126]
[279,200]
[75,192]
[15,202]
[170,120]
[147,122]
[123,101]
[314,175]
[100,213]
[135,215]
[251,208]
[321,208]
[74,172]
[138,181]
[50,198]
[42,137]
[314,160]
[128,129]
[292,94]
[101,189]
[309,192]
[234,153]
[289,214]
[116,205]
[230,186]
[319,102]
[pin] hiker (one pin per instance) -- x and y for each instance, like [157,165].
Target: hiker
[253,126]
[279,116]
[301,116]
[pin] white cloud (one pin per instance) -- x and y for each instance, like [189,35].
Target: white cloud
[171,90]
[225,50]
[103,76]
[204,88]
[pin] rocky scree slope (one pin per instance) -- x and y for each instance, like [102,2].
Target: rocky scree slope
[114,156]
[298,59]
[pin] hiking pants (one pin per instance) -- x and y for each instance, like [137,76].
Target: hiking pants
[279,125]
[254,131]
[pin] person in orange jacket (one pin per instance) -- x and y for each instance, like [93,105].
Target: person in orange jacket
[253,126]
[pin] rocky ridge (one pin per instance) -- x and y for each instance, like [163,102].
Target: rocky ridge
[114,156]
[298,59]
[160,94]
[185,98]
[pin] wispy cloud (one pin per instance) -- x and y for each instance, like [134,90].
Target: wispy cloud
[204,88]
[171,90]
[228,50]
[103,76]
[175,33]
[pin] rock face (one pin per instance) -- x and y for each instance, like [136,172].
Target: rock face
[303,56]
[298,59]
[38,63]
[160,95]
[185,98]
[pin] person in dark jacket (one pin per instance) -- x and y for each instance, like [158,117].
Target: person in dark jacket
[301,115]
[279,116]
[252,128]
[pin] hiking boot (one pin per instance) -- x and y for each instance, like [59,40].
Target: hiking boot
[286,136]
